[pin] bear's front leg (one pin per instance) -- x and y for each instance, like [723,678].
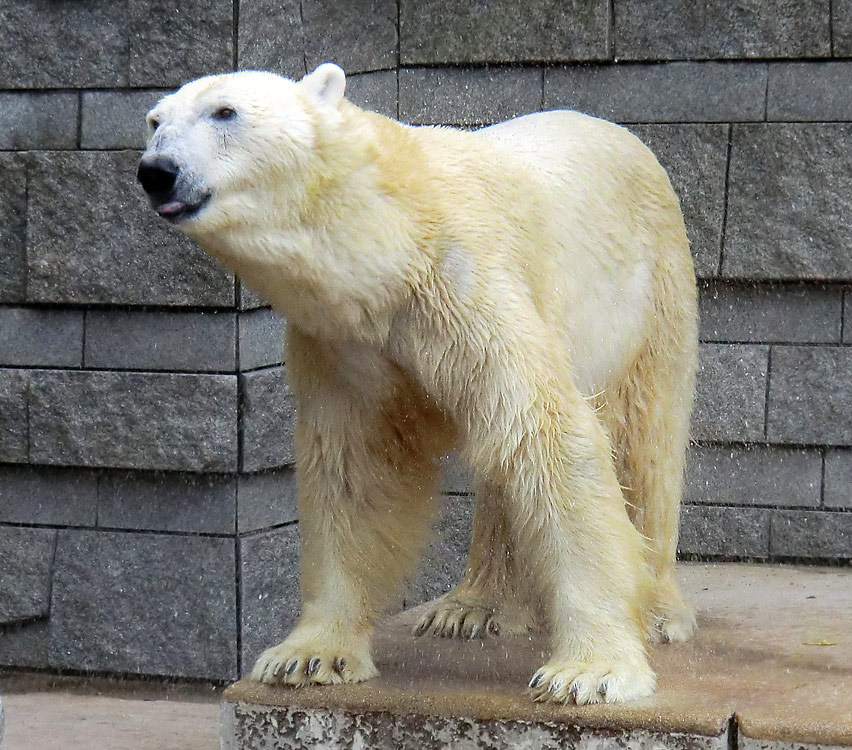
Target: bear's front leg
[368,452]
[531,431]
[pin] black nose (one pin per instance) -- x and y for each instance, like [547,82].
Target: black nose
[157,175]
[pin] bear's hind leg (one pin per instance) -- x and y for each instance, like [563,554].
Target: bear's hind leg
[648,418]
[652,451]
[488,600]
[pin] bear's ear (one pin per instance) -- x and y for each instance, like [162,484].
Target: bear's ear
[327,83]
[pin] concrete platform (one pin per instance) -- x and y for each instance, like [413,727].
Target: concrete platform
[771,669]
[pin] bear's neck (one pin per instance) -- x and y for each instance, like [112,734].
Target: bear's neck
[361,243]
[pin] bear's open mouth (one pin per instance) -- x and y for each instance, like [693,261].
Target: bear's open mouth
[176,211]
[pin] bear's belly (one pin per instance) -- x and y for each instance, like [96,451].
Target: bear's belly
[604,327]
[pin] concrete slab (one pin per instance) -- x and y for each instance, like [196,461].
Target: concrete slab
[772,663]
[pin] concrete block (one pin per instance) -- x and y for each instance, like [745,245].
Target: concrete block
[811,534]
[39,337]
[457,477]
[14,427]
[707,531]
[730,392]
[247,298]
[26,557]
[261,339]
[754,663]
[267,420]
[374,91]
[445,560]
[847,317]
[271,38]
[269,592]
[194,36]
[177,502]
[695,157]
[718,29]
[100,44]
[673,92]
[63,45]
[789,202]
[267,499]
[134,420]
[48,496]
[248,726]
[93,239]
[467,96]
[144,603]
[837,492]
[25,644]
[841,18]
[13,227]
[358,35]
[809,92]
[774,314]
[442,31]
[38,120]
[757,475]
[749,743]
[810,395]
[116,119]
[189,341]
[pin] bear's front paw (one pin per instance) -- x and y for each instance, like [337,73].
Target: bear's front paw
[312,663]
[591,682]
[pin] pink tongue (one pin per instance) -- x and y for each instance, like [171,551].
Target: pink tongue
[170,208]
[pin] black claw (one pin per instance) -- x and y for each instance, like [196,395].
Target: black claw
[339,664]
[493,627]
[573,689]
[424,626]
[291,666]
[536,679]
[313,666]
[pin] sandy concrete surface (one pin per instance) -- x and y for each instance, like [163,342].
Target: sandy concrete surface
[59,714]
[774,649]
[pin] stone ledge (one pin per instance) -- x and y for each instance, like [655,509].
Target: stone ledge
[282,728]
[756,667]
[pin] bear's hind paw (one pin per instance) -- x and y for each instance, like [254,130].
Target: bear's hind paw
[673,620]
[450,618]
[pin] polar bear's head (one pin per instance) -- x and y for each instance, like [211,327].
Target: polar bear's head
[219,144]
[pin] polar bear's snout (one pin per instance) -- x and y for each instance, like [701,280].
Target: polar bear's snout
[157,175]
[173,193]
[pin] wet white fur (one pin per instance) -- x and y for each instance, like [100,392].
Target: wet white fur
[525,293]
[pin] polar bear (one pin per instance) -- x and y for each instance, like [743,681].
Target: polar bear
[524,292]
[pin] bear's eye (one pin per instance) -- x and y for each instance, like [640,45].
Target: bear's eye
[224,113]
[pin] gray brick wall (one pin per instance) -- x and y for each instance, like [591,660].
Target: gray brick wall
[147,499]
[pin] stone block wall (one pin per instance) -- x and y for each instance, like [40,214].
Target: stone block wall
[148,520]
